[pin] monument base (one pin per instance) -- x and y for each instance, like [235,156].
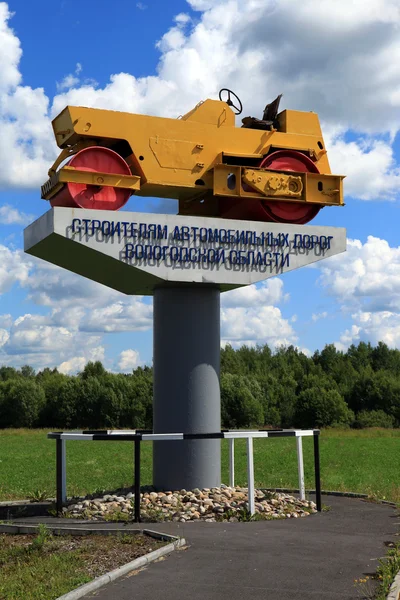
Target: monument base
[186,357]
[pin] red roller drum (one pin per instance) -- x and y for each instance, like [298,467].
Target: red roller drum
[275,211]
[81,195]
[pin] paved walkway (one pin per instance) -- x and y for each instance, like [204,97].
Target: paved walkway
[303,559]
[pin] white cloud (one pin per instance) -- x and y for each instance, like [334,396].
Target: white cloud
[12,216]
[71,80]
[73,365]
[262,324]
[374,327]
[79,313]
[68,82]
[317,316]
[77,363]
[133,315]
[4,336]
[369,165]
[10,50]
[267,292]
[367,274]
[36,340]
[366,283]
[248,316]
[334,57]
[49,285]
[6,320]
[13,268]
[128,360]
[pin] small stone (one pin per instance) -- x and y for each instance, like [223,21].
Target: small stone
[130,496]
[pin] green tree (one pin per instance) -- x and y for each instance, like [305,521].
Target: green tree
[238,405]
[21,401]
[374,418]
[63,396]
[319,407]
[93,369]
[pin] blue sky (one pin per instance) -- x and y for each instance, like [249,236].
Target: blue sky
[162,58]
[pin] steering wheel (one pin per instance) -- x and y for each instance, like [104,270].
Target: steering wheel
[237,109]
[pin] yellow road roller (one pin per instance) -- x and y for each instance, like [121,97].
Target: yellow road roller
[273,168]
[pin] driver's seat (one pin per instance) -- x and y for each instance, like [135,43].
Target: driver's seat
[269,117]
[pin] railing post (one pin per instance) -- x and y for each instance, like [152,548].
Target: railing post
[231,462]
[137,481]
[317,472]
[250,476]
[61,475]
[300,466]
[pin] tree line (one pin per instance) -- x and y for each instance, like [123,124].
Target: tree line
[259,388]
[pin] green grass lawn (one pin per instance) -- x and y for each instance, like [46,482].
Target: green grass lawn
[45,566]
[364,461]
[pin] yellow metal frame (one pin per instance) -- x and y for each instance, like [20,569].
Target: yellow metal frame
[314,189]
[72,175]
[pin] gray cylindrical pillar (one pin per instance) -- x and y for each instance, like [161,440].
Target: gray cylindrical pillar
[186,357]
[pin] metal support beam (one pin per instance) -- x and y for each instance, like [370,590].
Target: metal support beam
[317,473]
[250,476]
[61,475]
[231,462]
[300,467]
[137,482]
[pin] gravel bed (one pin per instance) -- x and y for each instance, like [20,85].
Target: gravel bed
[216,504]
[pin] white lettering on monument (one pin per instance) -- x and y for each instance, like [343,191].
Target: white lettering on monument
[151,243]
[135,252]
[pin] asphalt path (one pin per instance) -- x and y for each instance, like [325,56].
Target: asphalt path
[319,556]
